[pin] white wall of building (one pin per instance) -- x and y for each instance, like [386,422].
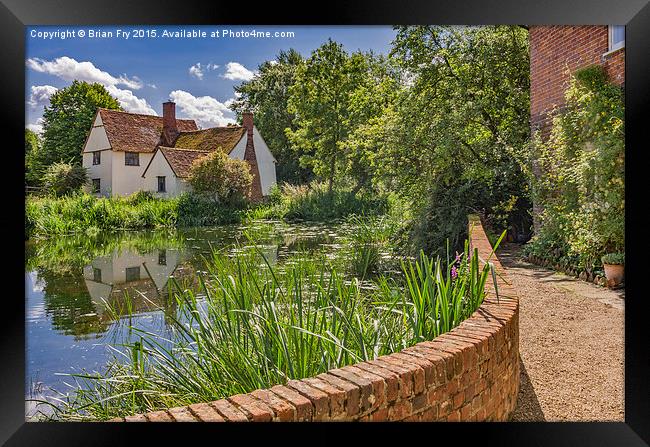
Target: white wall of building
[128,179]
[265,160]
[159,167]
[98,141]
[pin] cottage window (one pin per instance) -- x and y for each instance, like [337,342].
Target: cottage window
[161,184]
[97,158]
[132,273]
[616,37]
[96,185]
[131,159]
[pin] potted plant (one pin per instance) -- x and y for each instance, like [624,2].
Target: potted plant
[614,264]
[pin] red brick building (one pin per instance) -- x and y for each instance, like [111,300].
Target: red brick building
[558,51]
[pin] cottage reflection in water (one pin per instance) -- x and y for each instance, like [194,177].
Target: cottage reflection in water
[141,279]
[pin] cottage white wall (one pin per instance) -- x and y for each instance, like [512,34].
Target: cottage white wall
[128,179]
[265,160]
[98,141]
[239,149]
[160,167]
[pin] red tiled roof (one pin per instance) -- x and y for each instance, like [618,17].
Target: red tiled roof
[180,160]
[211,139]
[133,132]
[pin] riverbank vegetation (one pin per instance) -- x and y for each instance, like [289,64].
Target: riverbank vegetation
[82,213]
[251,327]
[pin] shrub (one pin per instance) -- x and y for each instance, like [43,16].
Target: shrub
[613,258]
[583,187]
[64,178]
[226,180]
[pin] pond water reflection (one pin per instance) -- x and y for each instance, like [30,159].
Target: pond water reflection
[73,282]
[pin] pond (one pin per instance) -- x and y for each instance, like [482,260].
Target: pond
[73,282]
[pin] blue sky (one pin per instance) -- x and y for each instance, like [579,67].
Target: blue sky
[197,73]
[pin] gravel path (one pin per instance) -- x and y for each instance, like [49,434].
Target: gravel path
[571,345]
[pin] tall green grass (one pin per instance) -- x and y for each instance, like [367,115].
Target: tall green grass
[252,326]
[314,203]
[82,212]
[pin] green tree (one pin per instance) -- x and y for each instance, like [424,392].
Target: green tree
[226,180]
[321,102]
[267,95]
[68,119]
[370,103]
[32,148]
[461,120]
[32,141]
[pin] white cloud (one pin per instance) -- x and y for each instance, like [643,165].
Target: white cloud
[205,110]
[196,70]
[130,102]
[37,126]
[70,69]
[236,71]
[40,95]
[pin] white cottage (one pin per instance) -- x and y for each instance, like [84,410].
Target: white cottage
[128,152]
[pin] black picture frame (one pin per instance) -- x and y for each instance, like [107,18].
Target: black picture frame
[635,14]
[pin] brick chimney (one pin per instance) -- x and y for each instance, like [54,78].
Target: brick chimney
[170,129]
[251,158]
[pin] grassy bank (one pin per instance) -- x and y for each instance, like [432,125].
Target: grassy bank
[253,327]
[82,213]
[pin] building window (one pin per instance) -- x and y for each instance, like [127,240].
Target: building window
[162,257]
[161,184]
[97,158]
[132,273]
[96,185]
[131,159]
[97,274]
[616,37]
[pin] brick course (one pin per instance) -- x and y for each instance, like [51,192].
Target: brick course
[470,373]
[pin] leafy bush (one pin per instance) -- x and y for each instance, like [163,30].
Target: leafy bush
[64,178]
[582,190]
[226,180]
[613,258]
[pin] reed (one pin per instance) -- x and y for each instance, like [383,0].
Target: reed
[252,325]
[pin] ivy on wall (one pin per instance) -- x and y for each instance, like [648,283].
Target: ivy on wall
[582,189]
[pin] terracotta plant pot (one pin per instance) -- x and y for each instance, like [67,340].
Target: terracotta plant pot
[614,274]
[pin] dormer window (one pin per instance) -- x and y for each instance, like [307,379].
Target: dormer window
[97,158]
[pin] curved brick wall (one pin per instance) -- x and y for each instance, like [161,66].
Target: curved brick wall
[470,373]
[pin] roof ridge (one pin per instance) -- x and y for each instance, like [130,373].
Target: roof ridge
[183,149]
[142,114]
[211,128]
